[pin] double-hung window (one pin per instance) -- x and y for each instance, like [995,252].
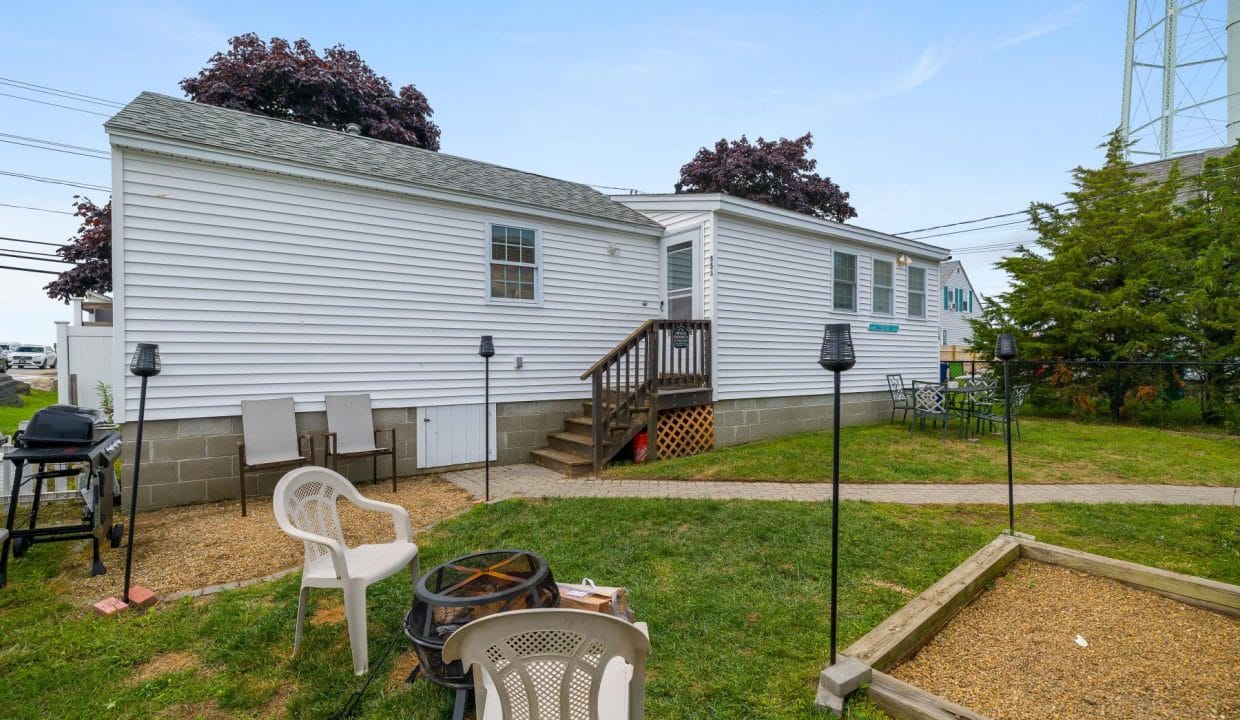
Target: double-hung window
[514,264]
[917,292]
[844,293]
[883,301]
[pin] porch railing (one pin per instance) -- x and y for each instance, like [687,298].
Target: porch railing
[659,357]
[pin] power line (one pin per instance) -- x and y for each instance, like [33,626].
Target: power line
[69,94]
[31,256]
[964,222]
[55,181]
[976,229]
[44,102]
[33,270]
[30,207]
[59,150]
[32,242]
[56,144]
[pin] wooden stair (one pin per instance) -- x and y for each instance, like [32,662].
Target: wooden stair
[570,452]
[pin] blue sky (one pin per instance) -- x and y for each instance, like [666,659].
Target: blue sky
[927,113]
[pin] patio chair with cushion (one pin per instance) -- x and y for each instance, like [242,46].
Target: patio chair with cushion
[557,663]
[305,507]
[270,439]
[351,433]
[929,403]
[900,399]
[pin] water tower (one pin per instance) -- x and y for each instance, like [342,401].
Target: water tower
[1180,93]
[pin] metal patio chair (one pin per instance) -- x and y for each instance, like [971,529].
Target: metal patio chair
[929,403]
[271,442]
[351,432]
[305,507]
[900,399]
[554,663]
[994,413]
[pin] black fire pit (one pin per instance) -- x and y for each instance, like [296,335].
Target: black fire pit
[466,589]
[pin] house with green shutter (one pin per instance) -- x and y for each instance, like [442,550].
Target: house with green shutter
[958,303]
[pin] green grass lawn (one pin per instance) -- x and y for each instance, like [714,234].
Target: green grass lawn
[1051,451]
[36,400]
[735,594]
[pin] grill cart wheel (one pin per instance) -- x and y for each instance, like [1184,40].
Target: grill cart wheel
[20,545]
[114,537]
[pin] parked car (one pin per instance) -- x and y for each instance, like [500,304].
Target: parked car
[40,356]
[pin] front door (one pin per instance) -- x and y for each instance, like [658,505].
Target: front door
[681,295]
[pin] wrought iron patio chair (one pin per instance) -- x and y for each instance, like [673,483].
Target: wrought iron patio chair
[351,433]
[554,663]
[993,411]
[929,403]
[270,439]
[305,506]
[900,399]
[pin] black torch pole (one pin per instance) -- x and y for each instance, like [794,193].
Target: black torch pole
[133,493]
[835,510]
[486,422]
[1007,426]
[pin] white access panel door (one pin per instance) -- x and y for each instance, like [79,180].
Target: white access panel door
[452,435]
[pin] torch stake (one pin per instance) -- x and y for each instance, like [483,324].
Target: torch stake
[133,493]
[1007,430]
[835,509]
[486,423]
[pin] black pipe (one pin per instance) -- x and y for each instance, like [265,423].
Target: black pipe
[1007,425]
[133,495]
[835,510]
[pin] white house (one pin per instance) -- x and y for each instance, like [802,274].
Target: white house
[959,304]
[269,259]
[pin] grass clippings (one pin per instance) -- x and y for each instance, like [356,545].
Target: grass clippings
[1012,653]
[163,664]
[194,546]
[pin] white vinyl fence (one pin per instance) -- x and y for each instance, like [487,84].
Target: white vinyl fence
[84,359]
[59,488]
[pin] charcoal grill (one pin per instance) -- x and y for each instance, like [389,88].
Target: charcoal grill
[76,441]
[466,589]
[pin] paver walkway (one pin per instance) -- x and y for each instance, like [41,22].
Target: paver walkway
[509,481]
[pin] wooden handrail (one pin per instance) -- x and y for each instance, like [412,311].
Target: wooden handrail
[622,346]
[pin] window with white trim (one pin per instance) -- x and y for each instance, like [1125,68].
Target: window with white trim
[844,272]
[916,292]
[514,264]
[883,295]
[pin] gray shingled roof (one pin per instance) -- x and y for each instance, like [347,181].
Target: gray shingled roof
[190,122]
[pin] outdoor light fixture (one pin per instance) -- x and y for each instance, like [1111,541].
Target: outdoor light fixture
[144,364]
[486,350]
[904,259]
[1005,350]
[837,356]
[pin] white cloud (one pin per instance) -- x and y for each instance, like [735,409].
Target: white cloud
[1056,22]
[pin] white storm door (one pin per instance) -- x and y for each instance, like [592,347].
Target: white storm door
[453,435]
[681,281]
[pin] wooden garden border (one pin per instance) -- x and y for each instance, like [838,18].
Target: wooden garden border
[910,627]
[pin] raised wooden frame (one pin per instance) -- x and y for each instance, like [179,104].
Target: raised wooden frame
[909,628]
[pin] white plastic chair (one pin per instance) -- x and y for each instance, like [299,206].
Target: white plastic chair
[305,507]
[556,663]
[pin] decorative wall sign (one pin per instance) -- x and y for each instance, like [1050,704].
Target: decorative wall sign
[884,327]
[680,337]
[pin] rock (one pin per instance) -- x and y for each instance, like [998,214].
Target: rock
[11,391]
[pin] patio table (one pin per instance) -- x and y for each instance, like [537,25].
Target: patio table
[962,401]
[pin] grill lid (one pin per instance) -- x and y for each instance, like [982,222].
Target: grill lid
[62,425]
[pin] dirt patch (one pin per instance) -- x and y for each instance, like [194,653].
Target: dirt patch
[402,665]
[163,664]
[195,546]
[891,586]
[331,613]
[1014,654]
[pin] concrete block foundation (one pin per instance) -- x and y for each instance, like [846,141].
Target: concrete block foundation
[746,420]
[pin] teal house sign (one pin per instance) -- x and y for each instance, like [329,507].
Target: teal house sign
[884,327]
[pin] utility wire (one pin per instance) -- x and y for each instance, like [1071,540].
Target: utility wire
[30,207]
[44,102]
[55,181]
[69,94]
[55,144]
[59,150]
[33,270]
[32,242]
[33,257]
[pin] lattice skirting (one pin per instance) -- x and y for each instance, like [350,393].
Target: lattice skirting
[686,431]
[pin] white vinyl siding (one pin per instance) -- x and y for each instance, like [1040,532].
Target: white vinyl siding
[916,292]
[883,300]
[773,295]
[260,285]
[844,273]
[959,308]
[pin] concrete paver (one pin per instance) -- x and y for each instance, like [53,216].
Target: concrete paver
[533,481]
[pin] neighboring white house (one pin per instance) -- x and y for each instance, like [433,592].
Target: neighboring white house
[269,258]
[959,303]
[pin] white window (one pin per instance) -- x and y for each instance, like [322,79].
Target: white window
[883,302]
[514,274]
[844,295]
[916,292]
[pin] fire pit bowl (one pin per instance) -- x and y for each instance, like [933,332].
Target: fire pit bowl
[466,589]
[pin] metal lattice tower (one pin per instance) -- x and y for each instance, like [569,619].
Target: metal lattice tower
[1179,95]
